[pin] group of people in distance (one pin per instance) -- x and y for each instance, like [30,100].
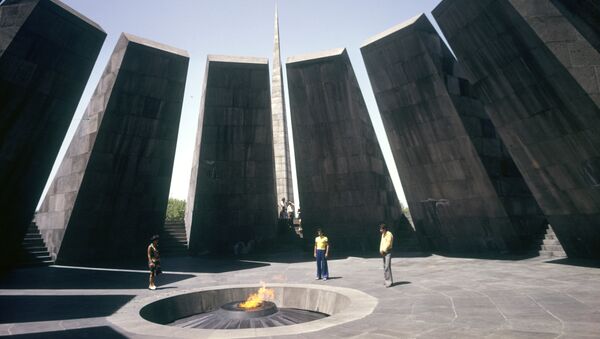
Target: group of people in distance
[321,253]
[289,218]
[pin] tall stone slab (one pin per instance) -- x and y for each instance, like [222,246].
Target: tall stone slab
[231,200]
[343,181]
[584,15]
[281,146]
[47,51]
[538,77]
[110,193]
[464,191]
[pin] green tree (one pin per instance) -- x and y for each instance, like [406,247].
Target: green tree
[175,210]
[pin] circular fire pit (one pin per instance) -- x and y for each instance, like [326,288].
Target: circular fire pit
[231,316]
[214,312]
[234,311]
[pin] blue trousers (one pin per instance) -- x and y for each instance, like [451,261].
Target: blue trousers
[322,271]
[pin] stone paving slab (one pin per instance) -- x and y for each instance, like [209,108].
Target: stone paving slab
[434,297]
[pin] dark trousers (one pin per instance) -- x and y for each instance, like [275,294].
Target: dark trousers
[322,271]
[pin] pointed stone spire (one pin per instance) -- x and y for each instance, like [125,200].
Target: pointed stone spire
[281,147]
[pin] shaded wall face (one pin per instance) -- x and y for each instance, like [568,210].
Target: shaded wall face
[463,190]
[110,193]
[234,186]
[535,73]
[343,181]
[584,15]
[46,56]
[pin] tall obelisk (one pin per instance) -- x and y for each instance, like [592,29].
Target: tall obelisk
[281,147]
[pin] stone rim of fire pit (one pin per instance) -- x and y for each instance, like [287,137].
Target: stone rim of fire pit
[342,304]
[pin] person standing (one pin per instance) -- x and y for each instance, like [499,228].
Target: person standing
[282,209]
[153,261]
[385,249]
[291,213]
[321,253]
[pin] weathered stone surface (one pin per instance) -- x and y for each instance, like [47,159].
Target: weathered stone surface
[47,52]
[110,193]
[538,78]
[343,181]
[231,197]
[464,192]
[584,15]
[281,146]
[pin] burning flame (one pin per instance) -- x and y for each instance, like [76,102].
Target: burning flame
[256,299]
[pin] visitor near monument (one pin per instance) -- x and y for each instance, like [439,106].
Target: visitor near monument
[283,209]
[385,249]
[321,253]
[153,261]
[291,213]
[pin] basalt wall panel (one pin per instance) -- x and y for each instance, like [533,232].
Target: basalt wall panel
[537,76]
[343,181]
[111,190]
[232,187]
[47,52]
[464,192]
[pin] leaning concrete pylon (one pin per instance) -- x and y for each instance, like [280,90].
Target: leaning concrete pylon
[47,51]
[536,72]
[231,199]
[111,191]
[281,146]
[464,191]
[343,181]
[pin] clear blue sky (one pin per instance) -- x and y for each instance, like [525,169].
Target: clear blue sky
[243,27]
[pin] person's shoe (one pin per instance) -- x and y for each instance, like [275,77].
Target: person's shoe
[317,278]
[152,287]
[324,279]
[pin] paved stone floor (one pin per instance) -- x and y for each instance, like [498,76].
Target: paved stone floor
[433,297]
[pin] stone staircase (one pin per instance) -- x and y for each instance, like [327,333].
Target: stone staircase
[550,246]
[34,250]
[173,240]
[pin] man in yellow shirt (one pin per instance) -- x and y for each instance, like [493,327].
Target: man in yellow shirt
[321,253]
[385,249]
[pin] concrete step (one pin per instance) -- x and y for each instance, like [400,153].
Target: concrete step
[172,240]
[552,248]
[551,236]
[551,242]
[163,247]
[166,232]
[175,240]
[39,252]
[174,227]
[33,243]
[35,248]
[552,254]
[173,236]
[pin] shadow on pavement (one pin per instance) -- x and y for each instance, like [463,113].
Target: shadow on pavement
[186,264]
[32,308]
[81,278]
[100,332]
[576,262]
[490,256]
